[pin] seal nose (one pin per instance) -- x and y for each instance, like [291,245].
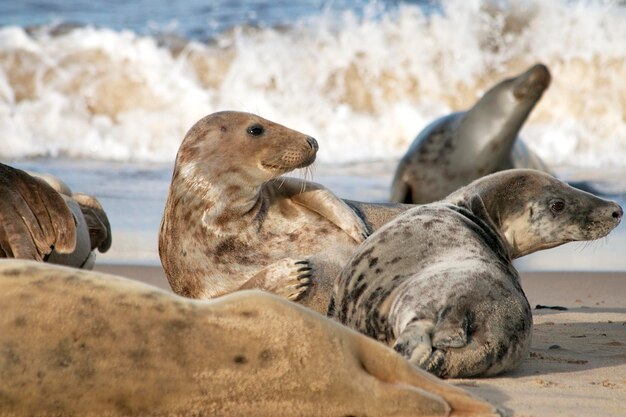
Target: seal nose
[539,74]
[312,143]
[618,213]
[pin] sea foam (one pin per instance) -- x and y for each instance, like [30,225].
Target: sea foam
[363,86]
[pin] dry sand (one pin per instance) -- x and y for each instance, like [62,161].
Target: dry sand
[577,364]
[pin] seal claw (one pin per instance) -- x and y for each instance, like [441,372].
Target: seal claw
[435,363]
[415,342]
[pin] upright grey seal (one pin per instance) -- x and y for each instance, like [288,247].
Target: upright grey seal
[79,343]
[232,222]
[438,282]
[458,148]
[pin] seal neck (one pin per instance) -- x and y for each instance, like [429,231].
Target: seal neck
[474,210]
[233,192]
[505,116]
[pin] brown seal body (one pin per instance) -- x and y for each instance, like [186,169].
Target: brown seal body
[438,281]
[458,148]
[231,222]
[78,343]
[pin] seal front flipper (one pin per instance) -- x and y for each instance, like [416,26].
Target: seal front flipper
[319,199]
[414,343]
[289,278]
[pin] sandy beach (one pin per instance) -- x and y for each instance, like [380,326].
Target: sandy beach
[101,97]
[577,363]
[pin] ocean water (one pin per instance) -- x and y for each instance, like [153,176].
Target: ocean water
[101,94]
[362,77]
[134,193]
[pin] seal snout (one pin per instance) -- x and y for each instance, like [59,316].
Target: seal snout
[539,74]
[612,212]
[312,143]
[533,82]
[604,219]
[617,214]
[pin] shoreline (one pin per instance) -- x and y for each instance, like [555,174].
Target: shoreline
[565,288]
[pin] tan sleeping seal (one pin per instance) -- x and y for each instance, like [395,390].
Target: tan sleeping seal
[78,343]
[458,148]
[438,281]
[231,222]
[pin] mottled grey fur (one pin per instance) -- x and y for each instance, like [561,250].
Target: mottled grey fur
[458,148]
[438,283]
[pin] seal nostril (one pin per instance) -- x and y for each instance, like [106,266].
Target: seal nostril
[312,143]
[618,213]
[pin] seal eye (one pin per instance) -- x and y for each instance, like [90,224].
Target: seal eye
[256,130]
[557,206]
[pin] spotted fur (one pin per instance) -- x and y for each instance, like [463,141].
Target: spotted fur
[438,281]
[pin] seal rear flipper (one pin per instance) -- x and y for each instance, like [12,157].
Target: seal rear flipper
[383,364]
[16,241]
[81,255]
[37,211]
[479,357]
[54,219]
[97,221]
[453,327]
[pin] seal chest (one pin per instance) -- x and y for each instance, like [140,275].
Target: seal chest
[458,148]
[438,283]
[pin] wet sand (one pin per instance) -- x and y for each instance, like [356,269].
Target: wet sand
[577,363]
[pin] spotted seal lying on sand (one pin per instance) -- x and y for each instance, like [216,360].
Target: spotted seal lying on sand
[79,343]
[232,222]
[41,219]
[458,148]
[438,282]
